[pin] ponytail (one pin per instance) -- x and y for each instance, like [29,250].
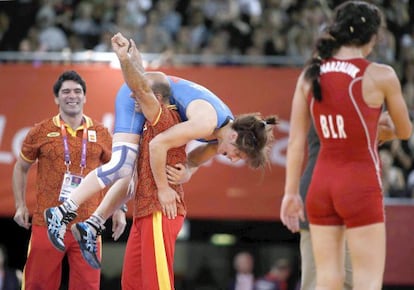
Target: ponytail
[255,136]
[325,48]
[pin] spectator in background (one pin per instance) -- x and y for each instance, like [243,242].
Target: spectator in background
[10,279]
[393,180]
[218,12]
[170,20]
[104,44]
[277,277]
[75,44]
[385,50]
[403,156]
[408,82]
[216,50]
[30,44]
[84,26]
[21,16]
[306,26]
[275,21]
[31,41]
[181,45]
[401,159]
[243,264]
[152,38]
[137,12]
[397,17]
[4,24]
[198,33]
[50,36]
[292,22]
[407,44]
[124,23]
[252,9]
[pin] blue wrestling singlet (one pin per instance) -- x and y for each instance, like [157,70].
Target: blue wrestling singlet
[127,120]
[184,92]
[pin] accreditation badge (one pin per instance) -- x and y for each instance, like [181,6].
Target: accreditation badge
[70,182]
[91,135]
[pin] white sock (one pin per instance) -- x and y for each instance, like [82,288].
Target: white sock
[97,222]
[70,205]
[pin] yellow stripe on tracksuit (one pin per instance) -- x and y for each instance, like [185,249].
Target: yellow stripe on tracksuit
[160,256]
[24,268]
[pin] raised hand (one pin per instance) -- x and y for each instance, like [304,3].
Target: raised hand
[120,45]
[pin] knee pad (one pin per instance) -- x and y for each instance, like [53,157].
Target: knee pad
[121,164]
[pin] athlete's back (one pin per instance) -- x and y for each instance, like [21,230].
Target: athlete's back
[347,130]
[184,92]
[343,120]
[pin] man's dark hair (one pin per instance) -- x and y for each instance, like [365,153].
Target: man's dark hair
[69,75]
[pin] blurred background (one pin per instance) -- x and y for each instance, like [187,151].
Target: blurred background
[248,52]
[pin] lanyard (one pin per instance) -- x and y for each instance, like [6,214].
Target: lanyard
[66,146]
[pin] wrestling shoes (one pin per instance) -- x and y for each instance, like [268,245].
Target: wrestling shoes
[86,238]
[56,220]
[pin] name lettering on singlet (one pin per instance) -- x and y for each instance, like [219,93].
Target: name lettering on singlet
[340,66]
[332,126]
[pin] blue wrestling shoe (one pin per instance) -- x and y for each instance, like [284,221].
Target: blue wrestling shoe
[56,220]
[87,242]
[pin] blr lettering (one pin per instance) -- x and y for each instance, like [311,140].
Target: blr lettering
[332,126]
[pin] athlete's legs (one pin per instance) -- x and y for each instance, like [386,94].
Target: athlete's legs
[91,184]
[348,283]
[308,270]
[121,166]
[367,247]
[113,199]
[86,233]
[328,244]
[308,277]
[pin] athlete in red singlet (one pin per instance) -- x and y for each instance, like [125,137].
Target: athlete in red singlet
[344,94]
[348,161]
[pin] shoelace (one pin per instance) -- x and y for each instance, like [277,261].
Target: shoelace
[62,231]
[68,217]
[90,240]
[56,227]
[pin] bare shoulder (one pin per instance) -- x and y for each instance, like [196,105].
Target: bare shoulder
[381,72]
[202,111]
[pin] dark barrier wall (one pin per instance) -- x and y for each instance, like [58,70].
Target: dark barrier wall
[219,190]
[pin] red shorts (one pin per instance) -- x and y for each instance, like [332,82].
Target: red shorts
[149,253]
[345,195]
